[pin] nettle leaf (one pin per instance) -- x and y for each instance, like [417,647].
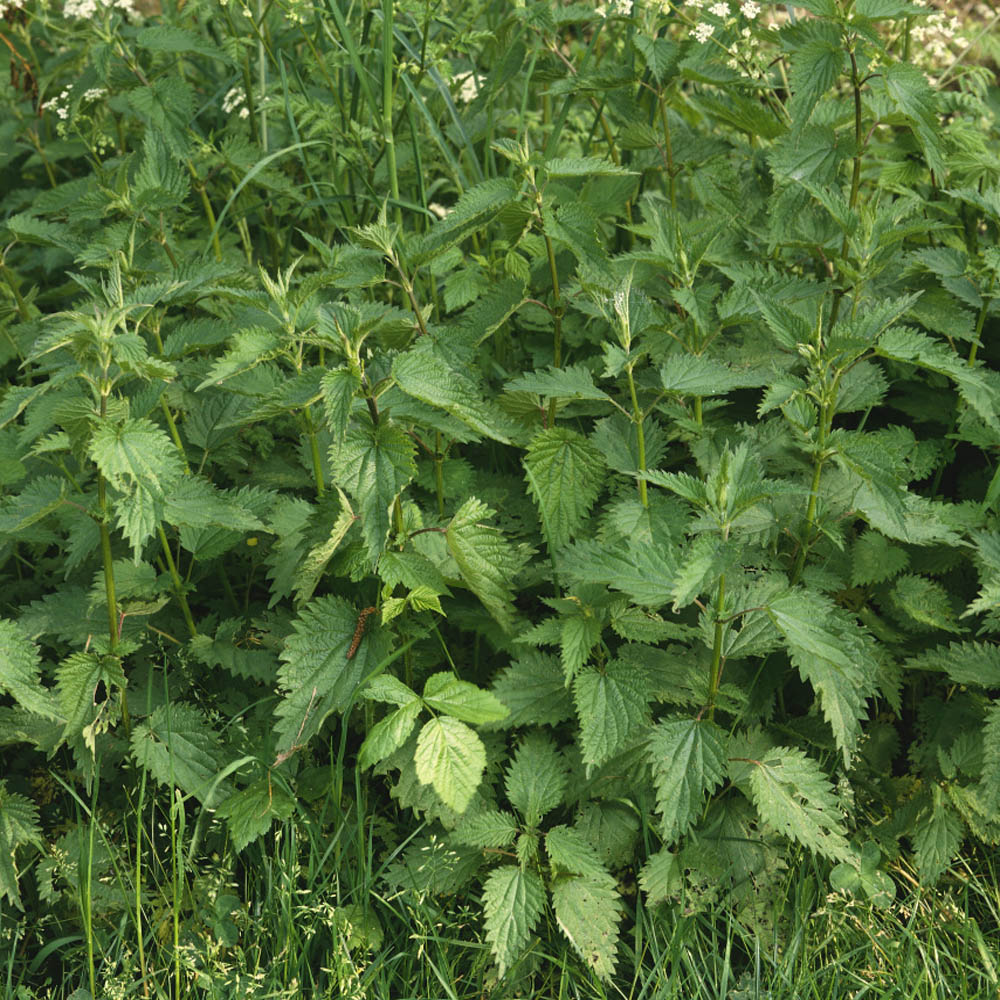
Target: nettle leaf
[814,69]
[693,375]
[924,602]
[661,877]
[316,676]
[487,561]
[136,454]
[578,635]
[794,796]
[974,663]
[444,692]
[564,473]
[831,653]
[513,901]
[452,758]
[588,909]
[477,206]
[21,671]
[339,387]
[689,762]
[536,778]
[424,373]
[534,690]
[645,572]
[18,825]
[874,559]
[374,464]
[583,166]
[490,828]
[250,812]
[77,679]
[937,836]
[612,705]
[178,746]
[911,94]
[571,382]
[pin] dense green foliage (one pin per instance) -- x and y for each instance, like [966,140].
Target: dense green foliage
[556,443]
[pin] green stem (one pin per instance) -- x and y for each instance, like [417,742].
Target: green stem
[715,677]
[176,580]
[980,320]
[439,473]
[557,311]
[669,149]
[387,130]
[639,433]
[825,422]
[317,459]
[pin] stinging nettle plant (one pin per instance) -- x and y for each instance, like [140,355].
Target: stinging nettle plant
[635,513]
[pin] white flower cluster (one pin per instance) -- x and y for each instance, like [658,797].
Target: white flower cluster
[94,94]
[703,30]
[60,104]
[235,100]
[621,8]
[468,86]
[86,10]
[933,36]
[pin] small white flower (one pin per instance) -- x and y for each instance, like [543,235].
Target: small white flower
[624,7]
[719,9]
[234,99]
[703,31]
[439,210]
[749,9]
[469,84]
[94,94]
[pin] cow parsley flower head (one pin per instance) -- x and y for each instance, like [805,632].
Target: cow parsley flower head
[749,9]
[719,9]
[703,31]
[469,86]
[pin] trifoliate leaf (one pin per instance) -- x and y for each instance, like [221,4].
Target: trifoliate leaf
[389,734]
[444,692]
[513,901]
[689,762]
[452,758]
[564,472]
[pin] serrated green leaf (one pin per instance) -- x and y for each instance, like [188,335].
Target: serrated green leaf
[444,692]
[937,837]
[688,761]
[374,464]
[611,705]
[571,382]
[490,828]
[487,561]
[564,472]
[424,373]
[389,734]
[136,454]
[452,758]
[661,878]
[924,602]
[21,671]
[571,854]
[911,94]
[18,825]
[534,690]
[339,387]
[536,778]
[589,910]
[513,901]
[831,653]
[178,746]
[874,559]
[583,166]
[793,796]
[316,676]
[647,573]
[77,678]
[975,663]
[250,812]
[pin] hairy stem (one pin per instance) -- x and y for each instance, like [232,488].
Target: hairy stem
[637,417]
[176,581]
[715,676]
